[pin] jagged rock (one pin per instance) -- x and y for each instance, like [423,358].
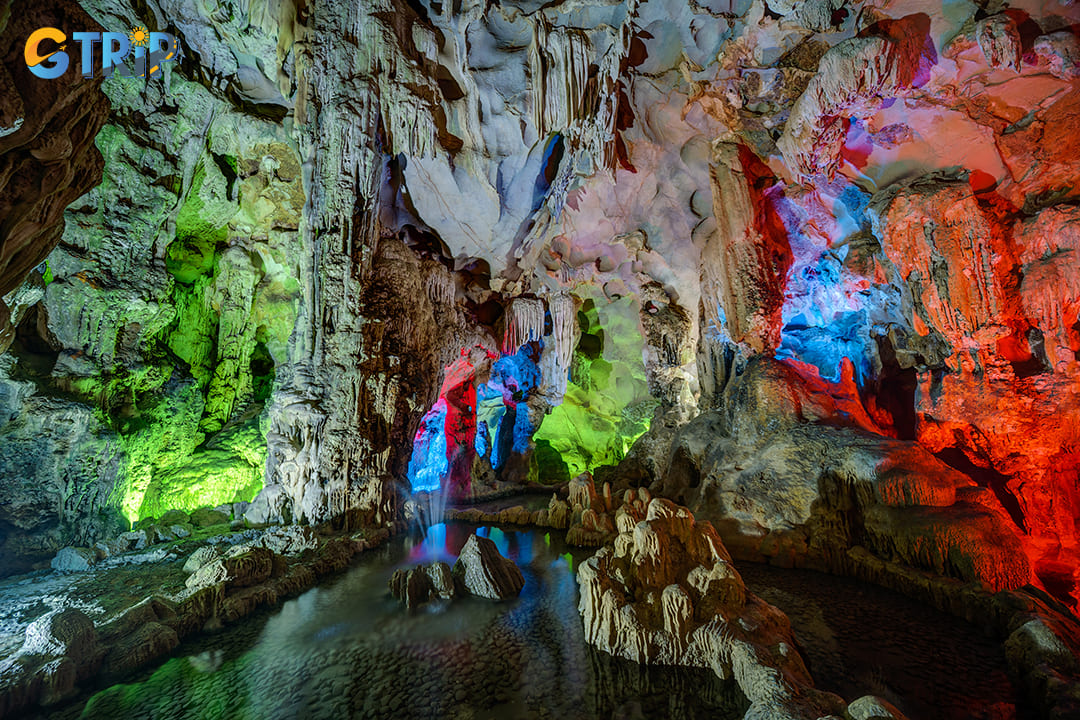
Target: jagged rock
[999,41]
[423,583]
[73,559]
[241,566]
[558,513]
[854,78]
[271,505]
[202,556]
[583,492]
[68,632]
[145,643]
[481,571]
[47,131]
[60,650]
[1061,52]
[516,515]
[824,480]
[292,540]
[665,593]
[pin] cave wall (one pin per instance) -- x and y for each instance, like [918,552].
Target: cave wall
[302,224]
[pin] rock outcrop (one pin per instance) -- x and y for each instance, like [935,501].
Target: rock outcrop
[785,478]
[481,571]
[422,584]
[47,152]
[665,592]
[227,577]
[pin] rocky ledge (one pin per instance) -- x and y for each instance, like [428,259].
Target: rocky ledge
[124,611]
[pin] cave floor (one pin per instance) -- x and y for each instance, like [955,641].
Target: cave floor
[347,649]
[102,593]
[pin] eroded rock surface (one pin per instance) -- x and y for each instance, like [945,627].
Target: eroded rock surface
[483,572]
[666,592]
[423,583]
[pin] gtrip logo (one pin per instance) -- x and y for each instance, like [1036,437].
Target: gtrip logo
[46,57]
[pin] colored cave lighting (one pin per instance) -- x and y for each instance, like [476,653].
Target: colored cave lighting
[471,419]
[828,311]
[429,464]
[434,546]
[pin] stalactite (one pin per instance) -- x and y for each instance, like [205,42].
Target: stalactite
[524,323]
[559,64]
[564,331]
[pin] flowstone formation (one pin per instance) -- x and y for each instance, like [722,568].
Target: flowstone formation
[666,593]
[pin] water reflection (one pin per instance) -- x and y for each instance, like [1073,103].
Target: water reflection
[347,649]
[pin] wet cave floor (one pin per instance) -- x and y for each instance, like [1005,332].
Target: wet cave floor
[347,649]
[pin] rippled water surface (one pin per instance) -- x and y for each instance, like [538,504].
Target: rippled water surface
[862,639]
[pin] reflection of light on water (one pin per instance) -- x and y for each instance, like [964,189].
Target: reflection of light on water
[497,536]
[330,631]
[524,549]
[562,587]
[432,547]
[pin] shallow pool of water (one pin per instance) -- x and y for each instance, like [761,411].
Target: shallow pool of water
[347,649]
[862,639]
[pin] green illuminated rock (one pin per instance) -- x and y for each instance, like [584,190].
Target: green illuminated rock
[607,404]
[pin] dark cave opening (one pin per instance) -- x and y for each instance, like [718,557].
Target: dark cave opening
[35,354]
[987,478]
[896,387]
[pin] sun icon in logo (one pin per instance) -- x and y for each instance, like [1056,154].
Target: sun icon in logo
[138,36]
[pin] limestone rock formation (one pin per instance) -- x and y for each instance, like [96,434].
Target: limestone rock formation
[423,583]
[667,593]
[47,152]
[241,566]
[61,650]
[786,477]
[483,572]
[806,267]
[73,559]
[854,78]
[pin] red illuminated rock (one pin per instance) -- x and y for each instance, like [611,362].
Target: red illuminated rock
[854,78]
